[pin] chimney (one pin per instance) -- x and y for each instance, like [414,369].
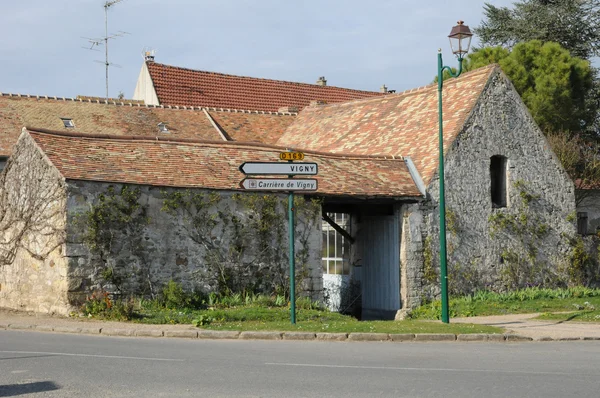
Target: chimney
[149,56]
[383,89]
[322,81]
[288,109]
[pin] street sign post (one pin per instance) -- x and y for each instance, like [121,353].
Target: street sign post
[290,185]
[279,168]
[279,184]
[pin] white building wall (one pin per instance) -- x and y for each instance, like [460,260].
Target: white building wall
[144,89]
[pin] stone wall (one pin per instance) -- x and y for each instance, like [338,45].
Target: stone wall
[163,248]
[33,271]
[540,198]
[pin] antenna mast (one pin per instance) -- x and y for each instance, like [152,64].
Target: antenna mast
[97,42]
[107,5]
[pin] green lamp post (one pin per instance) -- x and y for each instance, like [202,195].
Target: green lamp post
[460,41]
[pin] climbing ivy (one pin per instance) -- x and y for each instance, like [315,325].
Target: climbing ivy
[113,224]
[521,232]
[243,240]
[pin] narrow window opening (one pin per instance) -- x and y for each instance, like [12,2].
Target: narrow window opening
[582,223]
[68,122]
[498,181]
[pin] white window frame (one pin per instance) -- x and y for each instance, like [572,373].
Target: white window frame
[330,260]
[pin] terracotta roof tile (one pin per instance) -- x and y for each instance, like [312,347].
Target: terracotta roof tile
[181,86]
[404,124]
[211,165]
[114,118]
[252,127]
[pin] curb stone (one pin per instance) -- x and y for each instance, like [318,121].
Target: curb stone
[261,335]
[117,332]
[91,330]
[148,333]
[472,337]
[66,329]
[218,334]
[299,336]
[44,328]
[402,337]
[435,337]
[517,337]
[368,337]
[306,336]
[190,334]
[19,326]
[332,336]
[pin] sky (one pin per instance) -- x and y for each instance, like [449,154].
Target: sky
[357,44]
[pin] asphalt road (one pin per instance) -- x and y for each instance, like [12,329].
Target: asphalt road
[61,365]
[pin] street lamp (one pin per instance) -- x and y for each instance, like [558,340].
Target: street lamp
[460,41]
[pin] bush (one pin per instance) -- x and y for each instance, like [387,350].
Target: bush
[100,304]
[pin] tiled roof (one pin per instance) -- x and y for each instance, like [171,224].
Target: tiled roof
[211,164]
[252,127]
[404,124]
[181,86]
[17,111]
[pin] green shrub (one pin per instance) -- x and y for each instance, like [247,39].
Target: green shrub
[174,296]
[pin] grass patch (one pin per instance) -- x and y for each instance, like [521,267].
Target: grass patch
[524,301]
[252,318]
[576,316]
[266,316]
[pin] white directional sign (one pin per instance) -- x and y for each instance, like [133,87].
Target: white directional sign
[279,184]
[279,168]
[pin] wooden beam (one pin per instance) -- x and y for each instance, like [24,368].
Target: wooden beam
[339,229]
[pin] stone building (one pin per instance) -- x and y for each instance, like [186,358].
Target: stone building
[508,199]
[55,182]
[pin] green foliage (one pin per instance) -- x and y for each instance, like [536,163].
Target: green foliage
[173,296]
[582,268]
[203,320]
[556,87]
[100,305]
[575,24]
[534,299]
[579,157]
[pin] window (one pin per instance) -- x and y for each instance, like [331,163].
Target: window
[68,122]
[498,181]
[162,127]
[335,246]
[582,223]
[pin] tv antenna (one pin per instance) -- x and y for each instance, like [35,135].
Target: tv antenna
[97,42]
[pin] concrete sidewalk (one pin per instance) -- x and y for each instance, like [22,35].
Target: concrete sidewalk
[525,325]
[518,327]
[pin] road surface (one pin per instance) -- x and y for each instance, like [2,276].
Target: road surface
[37,364]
